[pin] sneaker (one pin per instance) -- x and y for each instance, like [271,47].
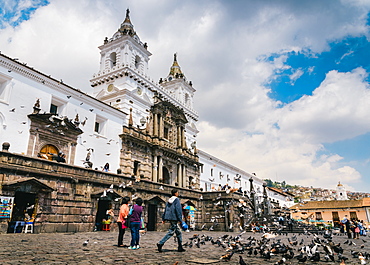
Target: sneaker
[180,249]
[159,246]
[137,246]
[130,247]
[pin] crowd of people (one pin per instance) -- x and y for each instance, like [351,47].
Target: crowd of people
[353,227]
[226,188]
[131,217]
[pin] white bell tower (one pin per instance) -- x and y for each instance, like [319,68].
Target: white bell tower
[181,92]
[123,62]
[341,194]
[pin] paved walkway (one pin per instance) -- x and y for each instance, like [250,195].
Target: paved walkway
[67,248]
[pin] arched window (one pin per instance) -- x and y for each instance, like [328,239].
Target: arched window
[137,61]
[166,176]
[113,59]
[186,99]
[49,151]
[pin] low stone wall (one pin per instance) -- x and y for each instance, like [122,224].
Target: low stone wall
[68,195]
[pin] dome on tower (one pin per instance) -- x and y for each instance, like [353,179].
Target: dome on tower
[126,27]
[175,70]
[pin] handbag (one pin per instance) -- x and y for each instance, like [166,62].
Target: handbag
[128,221]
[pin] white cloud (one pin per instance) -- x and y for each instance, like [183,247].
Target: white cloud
[337,110]
[222,47]
[295,76]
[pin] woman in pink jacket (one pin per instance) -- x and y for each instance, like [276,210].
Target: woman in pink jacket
[123,213]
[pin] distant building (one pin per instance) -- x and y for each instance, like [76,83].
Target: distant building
[283,198]
[332,211]
[341,193]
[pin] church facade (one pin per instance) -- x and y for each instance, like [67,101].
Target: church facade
[68,156]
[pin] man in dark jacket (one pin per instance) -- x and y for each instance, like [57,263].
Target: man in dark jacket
[173,214]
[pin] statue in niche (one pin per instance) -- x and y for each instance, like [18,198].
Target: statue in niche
[77,120]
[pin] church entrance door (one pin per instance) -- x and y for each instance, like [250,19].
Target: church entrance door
[152,217]
[24,210]
[104,204]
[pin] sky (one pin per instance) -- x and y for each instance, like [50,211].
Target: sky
[282,86]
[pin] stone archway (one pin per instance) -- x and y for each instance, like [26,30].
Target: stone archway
[155,206]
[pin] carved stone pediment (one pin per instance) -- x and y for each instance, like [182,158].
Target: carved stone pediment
[170,111]
[30,185]
[50,129]
[50,123]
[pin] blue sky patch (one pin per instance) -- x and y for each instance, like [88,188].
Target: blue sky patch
[14,13]
[343,56]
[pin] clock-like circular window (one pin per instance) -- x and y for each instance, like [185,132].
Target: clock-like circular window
[110,88]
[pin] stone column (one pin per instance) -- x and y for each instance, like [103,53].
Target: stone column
[179,177]
[155,125]
[182,137]
[160,127]
[160,168]
[183,176]
[178,136]
[155,169]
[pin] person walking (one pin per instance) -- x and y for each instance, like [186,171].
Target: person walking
[173,214]
[135,223]
[347,224]
[123,213]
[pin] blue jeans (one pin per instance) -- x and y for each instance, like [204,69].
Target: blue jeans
[174,228]
[135,234]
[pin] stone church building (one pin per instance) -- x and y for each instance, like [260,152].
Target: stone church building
[67,156]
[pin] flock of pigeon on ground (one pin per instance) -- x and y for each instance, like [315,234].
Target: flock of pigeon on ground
[307,248]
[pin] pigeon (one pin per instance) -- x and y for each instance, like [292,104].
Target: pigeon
[362,259]
[227,256]
[301,258]
[342,258]
[241,261]
[282,261]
